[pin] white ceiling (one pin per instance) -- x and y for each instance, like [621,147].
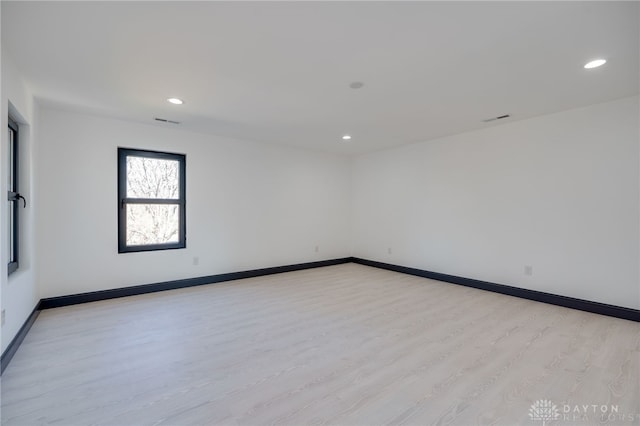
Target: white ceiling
[280,71]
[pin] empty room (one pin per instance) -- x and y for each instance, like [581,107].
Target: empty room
[320,213]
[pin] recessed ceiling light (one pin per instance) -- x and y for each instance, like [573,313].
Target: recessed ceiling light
[595,63]
[346,137]
[175,101]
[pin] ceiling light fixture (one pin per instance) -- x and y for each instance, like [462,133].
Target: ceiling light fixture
[595,63]
[346,137]
[175,101]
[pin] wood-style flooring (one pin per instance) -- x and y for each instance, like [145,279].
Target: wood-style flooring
[341,345]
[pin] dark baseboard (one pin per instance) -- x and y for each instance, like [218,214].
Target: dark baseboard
[94,296]
[8,354]
[56,302]
[538,296]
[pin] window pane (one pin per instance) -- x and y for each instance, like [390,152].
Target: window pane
[12,255]
[11,183]
[11,189]
[153,178]
[152,224]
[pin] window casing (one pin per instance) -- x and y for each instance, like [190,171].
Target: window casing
[13,198]
[151,200]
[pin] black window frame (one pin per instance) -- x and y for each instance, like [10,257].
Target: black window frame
[123,200]
[13,196]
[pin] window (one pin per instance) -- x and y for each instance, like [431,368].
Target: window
[13,197]
[151,200]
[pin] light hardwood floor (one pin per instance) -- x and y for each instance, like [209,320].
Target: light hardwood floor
[347,344]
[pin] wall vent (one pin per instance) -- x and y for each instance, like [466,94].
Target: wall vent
[500,117]
[164,120]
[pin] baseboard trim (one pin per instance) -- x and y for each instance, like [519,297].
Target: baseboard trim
[94,296]
[8,354]
[74,299]
[538,296]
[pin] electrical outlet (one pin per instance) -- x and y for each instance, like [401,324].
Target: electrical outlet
[196,261]
[3,315]
[528,270]
[389,251]
[317,249]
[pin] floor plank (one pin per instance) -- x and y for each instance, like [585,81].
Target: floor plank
[346,344]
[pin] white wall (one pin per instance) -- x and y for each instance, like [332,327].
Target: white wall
[558,192]
[248,205]
[19,295]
